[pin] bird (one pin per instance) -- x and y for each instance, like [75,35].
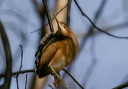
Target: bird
[57,51]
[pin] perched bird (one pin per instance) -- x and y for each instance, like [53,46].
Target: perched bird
[56,51]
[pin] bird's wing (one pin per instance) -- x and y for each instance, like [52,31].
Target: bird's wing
[44,55]
[45,58]
[46,41]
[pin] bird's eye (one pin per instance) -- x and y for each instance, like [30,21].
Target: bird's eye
[62,22]
[64,25]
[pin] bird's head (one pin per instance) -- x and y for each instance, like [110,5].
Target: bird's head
[66,32]
[63,29]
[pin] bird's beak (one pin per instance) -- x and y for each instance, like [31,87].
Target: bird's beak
[57,20]
[62,29]
[58,23]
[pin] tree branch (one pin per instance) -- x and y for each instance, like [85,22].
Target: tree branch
[73,78]
[112,28]
[50,86]
[31,71]
[20,66]
[18,72]
[95,25]
[121,86]
[90,32]
[52,19]
[68,12]
[48,16]
[26,81]
[6,45]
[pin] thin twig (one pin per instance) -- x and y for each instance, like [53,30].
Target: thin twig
[7,49]
[18,72]
[52,19]
[48,16]
[68,12]
[50,86]
[60,11]
[20,66]
[96,17]
[17,84]
[21,57]
[73,78]
[95,25]
[121,86]
[26,81]
[29,71]
[91,31]
[108,29]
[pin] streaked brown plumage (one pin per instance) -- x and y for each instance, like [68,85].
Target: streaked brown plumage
[56,51]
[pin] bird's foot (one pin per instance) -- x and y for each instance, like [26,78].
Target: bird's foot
[57,81]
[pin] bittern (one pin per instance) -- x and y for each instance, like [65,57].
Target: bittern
[56,51]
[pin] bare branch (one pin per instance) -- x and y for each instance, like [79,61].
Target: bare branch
[90,32]
[68,12]
[60,11]
[26,81]
[17,82]
[21,57]
[121,86]
[52,19]
[20,66]
[73,78]
[7,49]
[18,72]
[50,86]
[112,28]
[95,25]
[48,16]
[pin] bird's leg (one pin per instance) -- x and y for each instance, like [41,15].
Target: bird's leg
[56,76]
[54,73]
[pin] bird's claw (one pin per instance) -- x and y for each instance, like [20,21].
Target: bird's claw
[57,81]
